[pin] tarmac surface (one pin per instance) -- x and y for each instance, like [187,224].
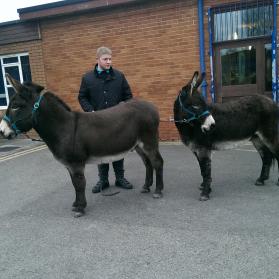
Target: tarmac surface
[131,235]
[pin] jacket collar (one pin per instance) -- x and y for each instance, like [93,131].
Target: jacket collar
[110,73]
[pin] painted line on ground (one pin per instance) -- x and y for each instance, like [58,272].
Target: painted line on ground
[249,150]
[22,153]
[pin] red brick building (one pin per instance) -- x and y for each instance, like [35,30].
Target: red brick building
[158,44]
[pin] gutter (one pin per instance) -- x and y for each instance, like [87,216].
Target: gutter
[69,7]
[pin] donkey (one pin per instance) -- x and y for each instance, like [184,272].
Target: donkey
[77,138]
[205,127]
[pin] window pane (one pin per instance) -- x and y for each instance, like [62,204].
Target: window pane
[3,102]
[10,60]
[11,92]
[26,72]
[238,65]
[268,68]
[242,21]
[13,71]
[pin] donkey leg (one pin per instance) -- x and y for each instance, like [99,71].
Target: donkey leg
[157,163]
[204,158]
[275,152]
[276,155]
[148,170]
[79,183]
[266,156]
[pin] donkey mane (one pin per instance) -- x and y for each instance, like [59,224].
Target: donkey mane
[58,100]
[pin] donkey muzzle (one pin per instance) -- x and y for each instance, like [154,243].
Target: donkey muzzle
[5,129]
[208,124]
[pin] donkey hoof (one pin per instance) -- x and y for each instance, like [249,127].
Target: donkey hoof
[157,195]
[204,198]
[78,211]
[78,214]
[145,190]
[259,182]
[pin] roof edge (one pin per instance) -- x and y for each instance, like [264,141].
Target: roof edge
[68,7]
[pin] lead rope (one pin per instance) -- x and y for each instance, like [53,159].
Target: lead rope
[108,194]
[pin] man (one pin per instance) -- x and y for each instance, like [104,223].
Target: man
[101,88]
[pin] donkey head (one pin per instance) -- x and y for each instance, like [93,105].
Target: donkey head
[193,106]
[18,117]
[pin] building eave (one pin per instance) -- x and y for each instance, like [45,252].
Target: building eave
[69,7]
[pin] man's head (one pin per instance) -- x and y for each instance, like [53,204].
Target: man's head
[103,56]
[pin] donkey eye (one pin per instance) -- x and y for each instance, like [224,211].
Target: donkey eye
[15,107]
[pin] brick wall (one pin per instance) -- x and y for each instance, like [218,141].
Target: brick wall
[154,44]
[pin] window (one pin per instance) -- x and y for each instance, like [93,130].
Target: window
[18,67]
[242,21]
[238,65]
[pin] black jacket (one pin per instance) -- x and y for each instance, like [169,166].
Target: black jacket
[103,90]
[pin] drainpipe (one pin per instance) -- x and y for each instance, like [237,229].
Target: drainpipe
[274,54]
[201,37]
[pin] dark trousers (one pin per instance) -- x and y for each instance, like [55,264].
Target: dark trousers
[118,167]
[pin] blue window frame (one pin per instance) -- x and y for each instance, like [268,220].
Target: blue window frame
[18,66]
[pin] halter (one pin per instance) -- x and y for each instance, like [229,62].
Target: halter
[13,125]
[35,108]
[193,116]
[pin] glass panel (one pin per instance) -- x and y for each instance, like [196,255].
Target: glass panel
[26,71]
[9,60]
[242,22]
[268,68]
[11,92]
[3,102]
[238,65]
[13,71]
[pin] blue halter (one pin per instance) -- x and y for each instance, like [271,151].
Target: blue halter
[37,104]
[13,124]
[193,116]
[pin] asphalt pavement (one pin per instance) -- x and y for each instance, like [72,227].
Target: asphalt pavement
[131,235]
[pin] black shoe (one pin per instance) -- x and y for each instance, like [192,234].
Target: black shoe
[100,186]
[123,183]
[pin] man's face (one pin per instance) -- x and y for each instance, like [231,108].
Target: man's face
[104,61]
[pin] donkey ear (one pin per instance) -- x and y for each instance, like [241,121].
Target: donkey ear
[14,83]
[19,87]
[194,81]
[200,80]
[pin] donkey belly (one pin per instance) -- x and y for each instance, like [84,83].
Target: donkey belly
[109,158]
[225,145]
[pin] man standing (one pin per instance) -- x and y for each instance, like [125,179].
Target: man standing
[101,88]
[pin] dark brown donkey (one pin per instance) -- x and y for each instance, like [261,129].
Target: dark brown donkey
[77,138]
[205,127]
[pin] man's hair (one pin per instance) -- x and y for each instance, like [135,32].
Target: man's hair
[103,50]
